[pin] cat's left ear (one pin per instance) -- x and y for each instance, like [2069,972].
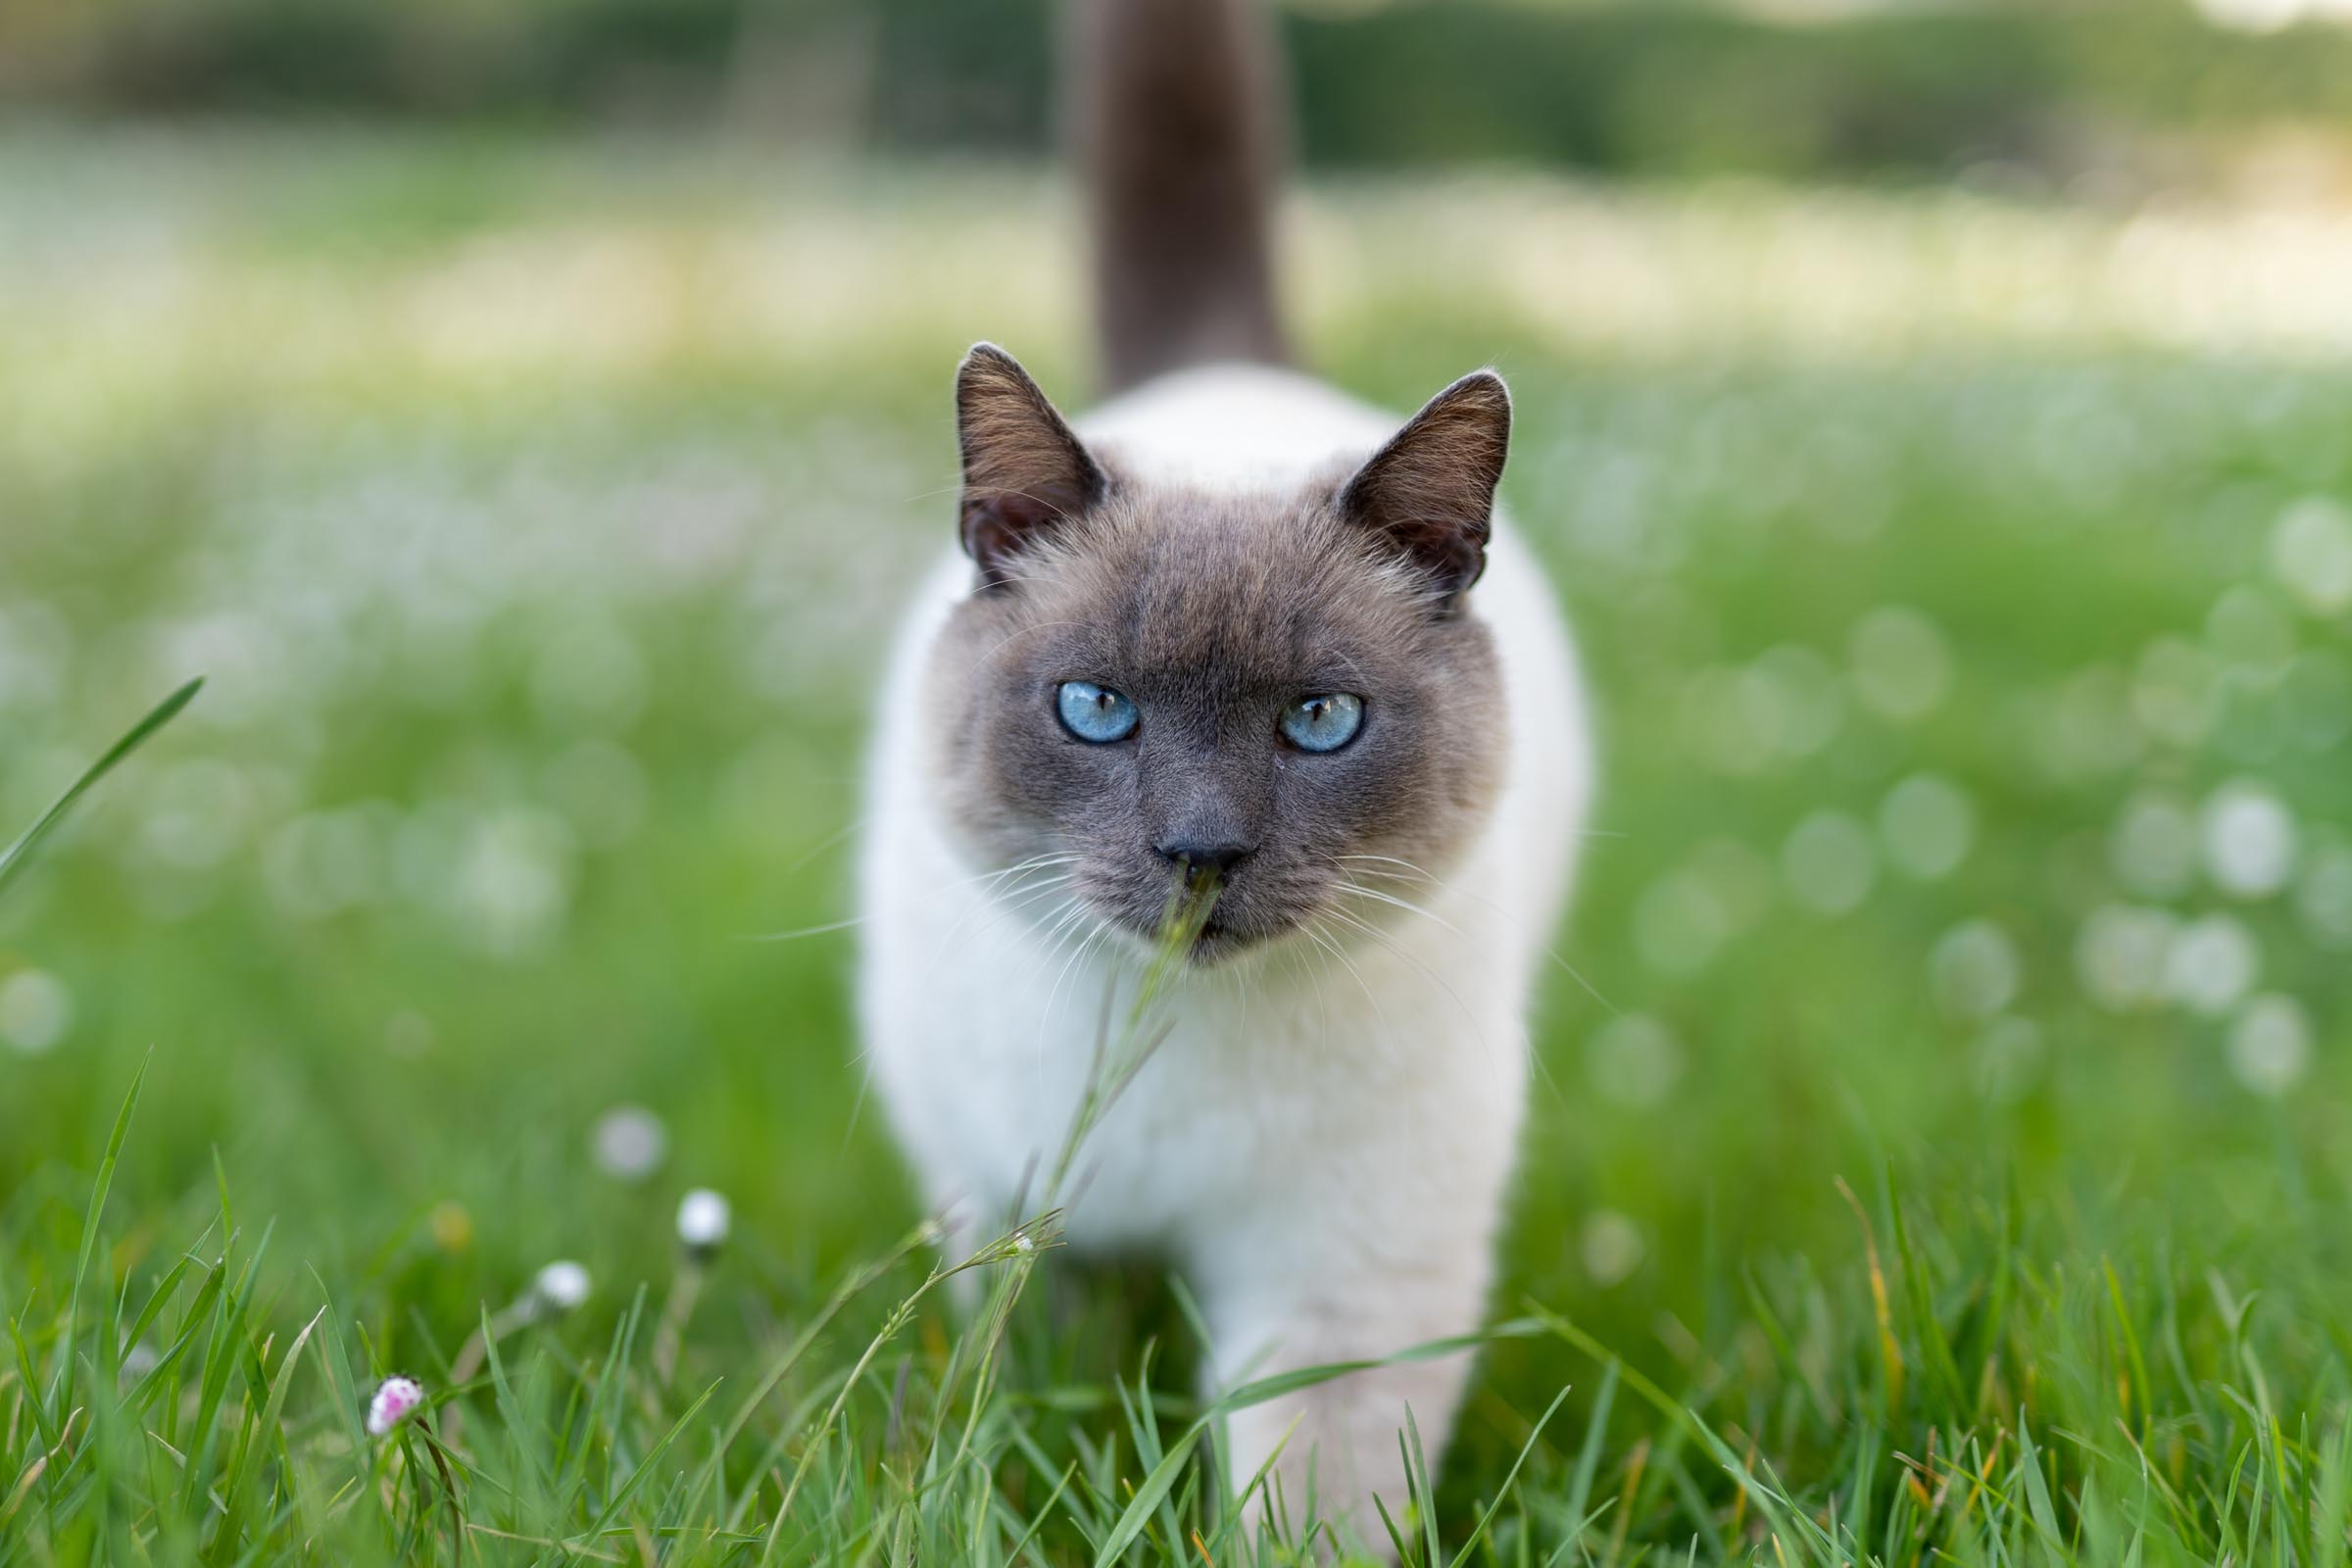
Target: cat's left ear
[1430,492]
[1025,472]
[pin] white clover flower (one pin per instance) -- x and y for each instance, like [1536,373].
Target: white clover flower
[2153,849]
[1973,970]
[394,1402]
[139,1360]
[1680,925]
[703,1220]
[2009,1057]
[2311,554]
[2325,899]
[1831,863]
[1928,823]
[35,1011]
[630,1143]
[1633,1059]
[2212,961]
[1902,665]
[2249,840]
[561,1286]
[2120,955]
[1612,1246]
[2270,1046]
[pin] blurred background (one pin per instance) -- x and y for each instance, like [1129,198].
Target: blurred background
[2070,97]
[528,415]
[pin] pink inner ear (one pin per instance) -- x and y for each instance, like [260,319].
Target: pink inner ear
[1024,469]
[997,527]
[1430,492]
[1439,521]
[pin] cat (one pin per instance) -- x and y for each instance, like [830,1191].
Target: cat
[1234,630]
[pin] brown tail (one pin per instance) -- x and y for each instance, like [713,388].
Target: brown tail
[1180,121]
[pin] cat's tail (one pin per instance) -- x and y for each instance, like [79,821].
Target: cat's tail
[1180,122]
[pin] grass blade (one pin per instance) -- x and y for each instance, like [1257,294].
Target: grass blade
[89,1235]
[14,858]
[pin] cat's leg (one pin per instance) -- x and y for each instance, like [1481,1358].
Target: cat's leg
[1291,1291]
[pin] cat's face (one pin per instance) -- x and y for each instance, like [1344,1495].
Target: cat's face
[1283,688]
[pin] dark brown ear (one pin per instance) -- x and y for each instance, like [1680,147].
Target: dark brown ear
[1430,492]
[1024,470]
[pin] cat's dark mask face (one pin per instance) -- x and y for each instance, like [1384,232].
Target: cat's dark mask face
[1286,688]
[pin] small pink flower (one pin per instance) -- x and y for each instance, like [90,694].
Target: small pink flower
[396,1400]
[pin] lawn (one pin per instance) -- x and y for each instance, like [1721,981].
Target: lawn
[1942,1138]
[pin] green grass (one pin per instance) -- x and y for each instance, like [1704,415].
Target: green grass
[535,651]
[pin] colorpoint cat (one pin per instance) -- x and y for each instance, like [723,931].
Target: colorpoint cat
[1236,626]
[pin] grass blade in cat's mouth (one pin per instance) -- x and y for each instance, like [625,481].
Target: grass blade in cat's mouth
[1188,927]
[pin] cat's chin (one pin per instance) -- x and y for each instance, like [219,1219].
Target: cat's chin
[1216,944]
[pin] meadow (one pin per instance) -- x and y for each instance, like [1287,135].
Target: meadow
[1942,1138]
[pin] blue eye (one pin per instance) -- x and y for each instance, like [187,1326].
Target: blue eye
[1323,723]
[1093,712]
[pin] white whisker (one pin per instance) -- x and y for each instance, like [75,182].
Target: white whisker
[807,931]
[992,878]
[1549,952]
[1374,934]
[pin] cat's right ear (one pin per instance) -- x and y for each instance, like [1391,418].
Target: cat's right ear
[1025,472]
[1429,494]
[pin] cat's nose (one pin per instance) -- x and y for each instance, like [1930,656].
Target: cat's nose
[1199,855]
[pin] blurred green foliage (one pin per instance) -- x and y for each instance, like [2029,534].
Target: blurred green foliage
[1673,88]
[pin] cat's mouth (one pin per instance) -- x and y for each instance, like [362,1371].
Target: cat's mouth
[1202,923]
[1213,941]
